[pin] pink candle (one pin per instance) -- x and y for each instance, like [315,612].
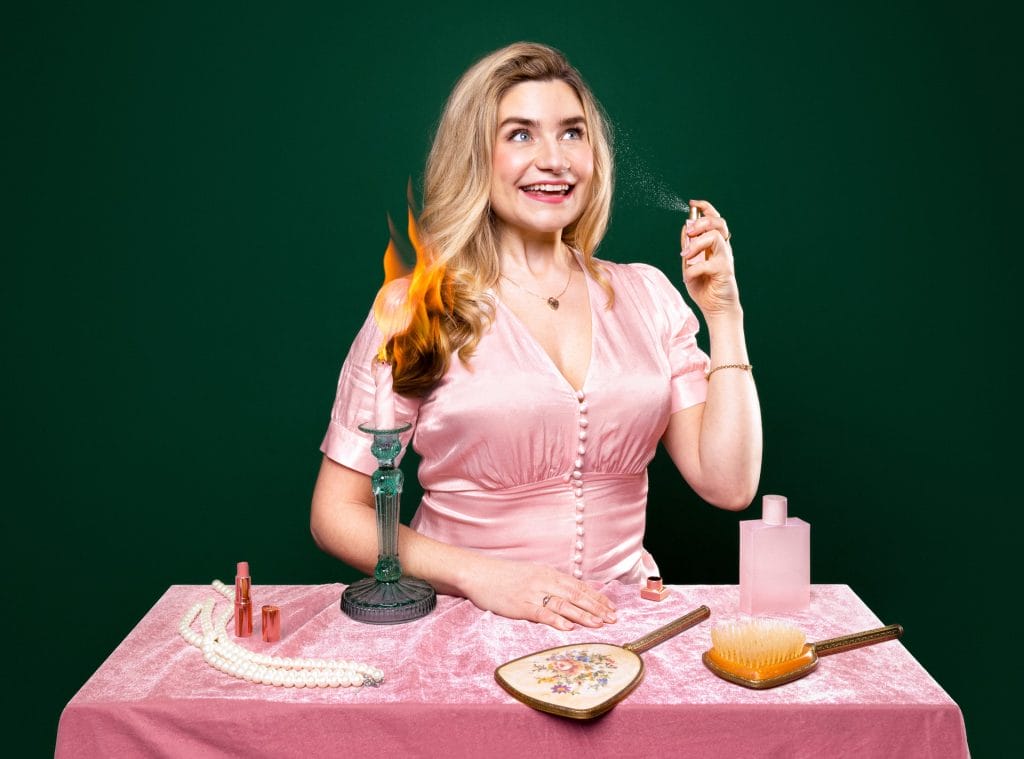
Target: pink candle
[384,397]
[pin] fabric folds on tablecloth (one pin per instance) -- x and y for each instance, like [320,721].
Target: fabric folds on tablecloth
[155,696]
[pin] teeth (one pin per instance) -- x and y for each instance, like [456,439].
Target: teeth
[546,188]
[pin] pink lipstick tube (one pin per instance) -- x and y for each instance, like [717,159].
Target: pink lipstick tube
[243,601]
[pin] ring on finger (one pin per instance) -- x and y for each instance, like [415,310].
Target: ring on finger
[545,601]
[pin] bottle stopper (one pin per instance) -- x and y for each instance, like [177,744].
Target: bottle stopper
[773,509]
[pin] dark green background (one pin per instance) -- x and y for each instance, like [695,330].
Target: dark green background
[196,199]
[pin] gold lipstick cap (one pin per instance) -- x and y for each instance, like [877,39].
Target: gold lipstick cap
[271,624]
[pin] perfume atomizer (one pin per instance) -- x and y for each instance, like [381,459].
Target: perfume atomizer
[693,213]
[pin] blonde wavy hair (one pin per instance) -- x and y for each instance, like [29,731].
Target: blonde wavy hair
[458,227]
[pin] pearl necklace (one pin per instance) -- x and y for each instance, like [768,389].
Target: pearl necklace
[226,656]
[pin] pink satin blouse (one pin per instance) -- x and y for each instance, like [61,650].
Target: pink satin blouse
[518,464]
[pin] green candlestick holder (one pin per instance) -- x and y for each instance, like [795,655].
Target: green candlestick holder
[389,597]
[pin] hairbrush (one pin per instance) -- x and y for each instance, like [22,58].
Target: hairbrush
[764,653]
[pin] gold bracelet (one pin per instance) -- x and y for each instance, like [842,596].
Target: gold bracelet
[744,367]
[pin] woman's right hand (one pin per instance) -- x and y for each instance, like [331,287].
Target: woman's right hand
[518,590]
[708,269]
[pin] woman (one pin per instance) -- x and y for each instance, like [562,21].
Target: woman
[540,393]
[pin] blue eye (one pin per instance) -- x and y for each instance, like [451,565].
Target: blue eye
[520,135]
[574,134]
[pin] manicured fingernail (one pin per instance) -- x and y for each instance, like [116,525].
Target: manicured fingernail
[609,617]
[690,223]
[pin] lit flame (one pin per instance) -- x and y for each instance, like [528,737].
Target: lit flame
[408,304]
[394,266]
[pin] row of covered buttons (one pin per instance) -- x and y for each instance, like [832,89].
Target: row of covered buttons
[576,481]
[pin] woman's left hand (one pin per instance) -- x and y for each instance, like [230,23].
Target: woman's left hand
[708,269]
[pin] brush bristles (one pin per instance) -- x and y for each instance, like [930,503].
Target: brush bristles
[758,642]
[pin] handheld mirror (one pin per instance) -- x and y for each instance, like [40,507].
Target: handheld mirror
[584,680]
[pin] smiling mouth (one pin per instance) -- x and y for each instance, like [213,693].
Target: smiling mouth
[552,190]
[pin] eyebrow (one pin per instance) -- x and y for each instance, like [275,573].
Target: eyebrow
[519,120]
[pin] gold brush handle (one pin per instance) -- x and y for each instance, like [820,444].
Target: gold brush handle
[857,640]
[670,630]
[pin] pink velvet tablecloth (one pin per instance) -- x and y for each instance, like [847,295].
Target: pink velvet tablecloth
[155,695]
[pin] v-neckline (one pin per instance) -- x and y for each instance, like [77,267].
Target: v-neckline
[540,348]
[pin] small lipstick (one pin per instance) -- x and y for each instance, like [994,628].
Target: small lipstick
[271,624]
[243,602]
[655,589]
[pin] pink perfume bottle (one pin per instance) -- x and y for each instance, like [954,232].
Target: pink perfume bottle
[775,561]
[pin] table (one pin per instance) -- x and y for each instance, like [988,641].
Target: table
[155,695]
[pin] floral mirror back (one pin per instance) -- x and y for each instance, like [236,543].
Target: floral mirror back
[579,681]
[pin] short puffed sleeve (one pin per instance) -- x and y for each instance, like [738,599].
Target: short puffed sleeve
[678,328]
[344,442]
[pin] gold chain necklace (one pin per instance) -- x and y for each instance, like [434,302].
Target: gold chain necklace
[552,301]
